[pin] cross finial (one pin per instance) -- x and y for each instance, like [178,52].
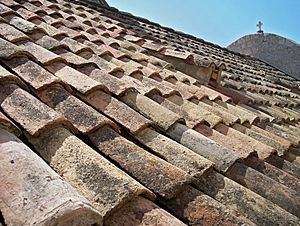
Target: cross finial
[259,25]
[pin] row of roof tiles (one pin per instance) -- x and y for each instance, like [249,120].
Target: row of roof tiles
[136,131]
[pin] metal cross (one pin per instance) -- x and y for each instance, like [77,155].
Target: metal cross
[259,25]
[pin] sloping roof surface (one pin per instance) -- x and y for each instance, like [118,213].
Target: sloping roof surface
[110,119]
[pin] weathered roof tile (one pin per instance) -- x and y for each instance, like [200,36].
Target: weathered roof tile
[4,10]
[190,107]
[83,117]
[190,118]
[43,55]
[197,208]
[158,175]
[32,193]
[26,14]
[23,25]
[234,144]
[84,168]
[264,151]
[28,111]
[31,72]
[285,165]
[117,110]
[48,42]
[175,153]
[141,211]
[274,173]
[6,76]
[11,34]
[279,194]
[221,156]
[9,125]
[74,78]
[235,196]
[9,50]
[163,117]
[228,118]
[276,142]
[113,84]
[242,114]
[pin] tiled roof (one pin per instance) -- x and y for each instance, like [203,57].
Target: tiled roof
[107,118]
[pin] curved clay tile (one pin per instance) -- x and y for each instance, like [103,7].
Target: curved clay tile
[46,198]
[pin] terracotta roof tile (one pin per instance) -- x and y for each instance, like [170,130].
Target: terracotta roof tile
[236,96]
[75,60]
[231,143]
[279,194]
[142,212]
[43,55]
[82,116]
[262,116]
[274,173]
[293,158]
[9,50]
[163,117]
[241,113]
[26,14]
[22,24]
[117,110]
[74,78]
[175,153]
[153,46]
[213,94]
[279,144]
[135,84]
[128,68]
[261,211]
[83,168]
[184,78]
[190,118]
[102,63]
[164,88]
[8,125]
[158,175]
[74,46]
[4,10]
[11,34]
[27,179]
[294,114]
[28,111]
[9,3]
[48,42]
[103,49]
[49,29]
[228,118]
[203,114]
[31,72]
[113,84]
[285,165]
[221,156]
[6,76]
[263,151]
[280,131]
[184,93]
[197,208]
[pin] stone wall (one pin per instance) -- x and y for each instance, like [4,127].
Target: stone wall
[279,52]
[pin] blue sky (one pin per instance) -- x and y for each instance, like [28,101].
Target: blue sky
[219,21]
